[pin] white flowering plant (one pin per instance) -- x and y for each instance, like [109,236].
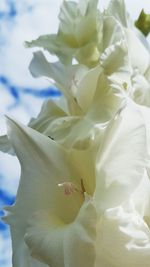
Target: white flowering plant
[84,193]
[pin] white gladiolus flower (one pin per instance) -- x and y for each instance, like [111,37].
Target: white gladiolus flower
[84,194]
[73,40]
[112,40]
[138,54]
[78,202]
[92,108]
[117,41]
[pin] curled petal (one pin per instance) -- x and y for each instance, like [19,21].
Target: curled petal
[53,242]
[121,159]
[44,164]
[124,239]
[117,9]
[5,145]
[140,60]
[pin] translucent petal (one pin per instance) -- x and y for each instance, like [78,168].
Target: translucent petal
[72,34]
[54,45]
[140,60]
[74,20]
[141,89]
[44,165]
[145,112]
[116,64]
[117,9]
[39,157]
[5,145]
[113,32]
[105,101]
[60,74]
[123,239]
[141,196]
[121,159]
[49,112]
[64,245]
[63,76]
[87,87]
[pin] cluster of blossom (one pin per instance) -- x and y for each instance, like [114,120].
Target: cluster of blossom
[84,194]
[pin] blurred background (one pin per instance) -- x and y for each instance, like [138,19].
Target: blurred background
[21,96]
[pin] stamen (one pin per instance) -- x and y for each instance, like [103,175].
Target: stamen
[70,188]
[82,187]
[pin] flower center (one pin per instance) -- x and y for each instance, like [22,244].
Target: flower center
[70,188]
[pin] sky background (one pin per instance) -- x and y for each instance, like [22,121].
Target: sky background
[21,96]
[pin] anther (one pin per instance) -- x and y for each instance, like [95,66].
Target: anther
[69,188]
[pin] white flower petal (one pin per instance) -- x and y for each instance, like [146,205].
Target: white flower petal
[44,165]
[121,159]
[141,196]
[139,55]
[124,239]
[145,112]
[54,45]
[57,244]
[5,145]
[113,32]
[105,101]
[72,33]
[141,89]
[62,130]
[142,38]
[116,65]
[49,112]
[117,9]
[87,88]
[74,19]
[21,256]
[62,75]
